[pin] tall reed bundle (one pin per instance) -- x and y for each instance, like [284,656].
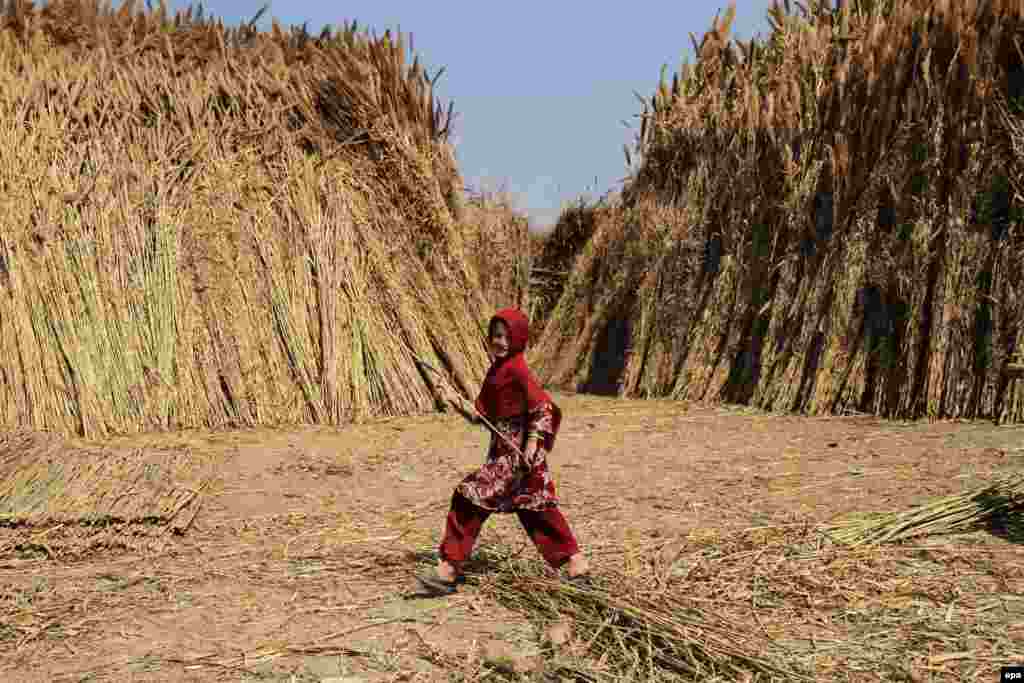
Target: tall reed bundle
[500,247]
[203,226]
[821,221]
[556,253]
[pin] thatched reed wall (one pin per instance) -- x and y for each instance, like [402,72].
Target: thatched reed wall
[204,227]
[824,221]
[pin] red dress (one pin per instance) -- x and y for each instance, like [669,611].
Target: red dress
[506,482]
[513,401]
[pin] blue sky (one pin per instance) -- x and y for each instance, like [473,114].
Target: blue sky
[541,89]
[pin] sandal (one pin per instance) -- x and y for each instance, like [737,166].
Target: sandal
[581,581]
[436,586]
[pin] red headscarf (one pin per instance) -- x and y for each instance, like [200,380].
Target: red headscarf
[510,388]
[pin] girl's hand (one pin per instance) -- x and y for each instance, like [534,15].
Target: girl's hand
[447,395]
[531,450]
[461,404]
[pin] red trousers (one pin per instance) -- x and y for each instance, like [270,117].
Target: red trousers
[548,530]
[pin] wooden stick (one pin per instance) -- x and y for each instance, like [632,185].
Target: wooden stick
[494,430]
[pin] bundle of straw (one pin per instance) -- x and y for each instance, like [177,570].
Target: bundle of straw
[948,515]
[46,480]
[639,636]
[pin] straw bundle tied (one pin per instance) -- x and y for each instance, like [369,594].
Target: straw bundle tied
[1002,501]
[556,253]
[500,247]
[633,633]
[49,484]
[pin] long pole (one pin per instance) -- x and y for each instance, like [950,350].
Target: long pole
[484,420]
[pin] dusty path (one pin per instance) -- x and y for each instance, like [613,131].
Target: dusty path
[299,565]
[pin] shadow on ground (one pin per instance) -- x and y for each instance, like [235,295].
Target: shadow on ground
[1008,524]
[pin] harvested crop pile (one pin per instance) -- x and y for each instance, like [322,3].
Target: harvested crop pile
[208,227]
[998,505]
[500,247]
[647,634]
[555,254]
[765,604]
[64,498]
[824,220]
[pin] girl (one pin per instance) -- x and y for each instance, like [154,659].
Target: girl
[510,481]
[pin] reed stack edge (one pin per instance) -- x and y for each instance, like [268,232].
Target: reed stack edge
[825,220]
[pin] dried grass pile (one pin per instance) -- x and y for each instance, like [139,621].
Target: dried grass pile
[204,226]
[766,603]
[500,247]
[63,498]
[999,504]
[555,254]
[634,629]
[824,220]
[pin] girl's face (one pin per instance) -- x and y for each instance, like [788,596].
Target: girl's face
[499,340]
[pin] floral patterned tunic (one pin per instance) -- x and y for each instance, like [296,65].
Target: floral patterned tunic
[506,483]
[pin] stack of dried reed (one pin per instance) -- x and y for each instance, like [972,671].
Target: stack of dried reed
[499,246]
[820,221]
[54,492]
[206,226]
[1000,502]
[557,252]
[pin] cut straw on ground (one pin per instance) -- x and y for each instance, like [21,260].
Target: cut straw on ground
[59,496]
[635,634]
[999,503]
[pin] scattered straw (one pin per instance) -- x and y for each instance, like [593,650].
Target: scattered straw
[655,634]
[768,603]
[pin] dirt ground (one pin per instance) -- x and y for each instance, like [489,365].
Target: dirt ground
[299,566]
